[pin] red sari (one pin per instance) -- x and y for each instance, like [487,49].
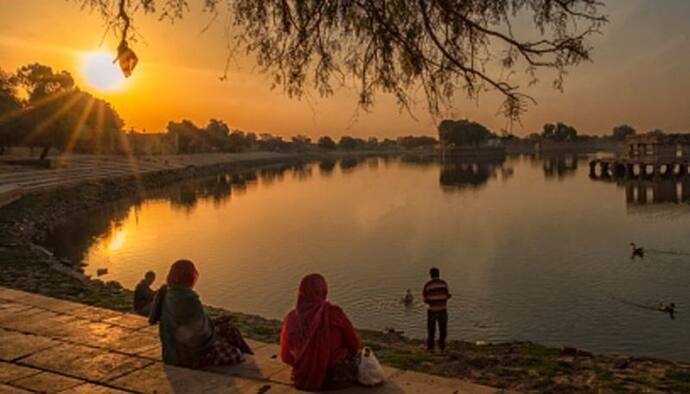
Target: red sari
[316,335]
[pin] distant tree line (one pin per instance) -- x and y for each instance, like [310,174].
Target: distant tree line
[218,137]
[561,132]
[41,107]
[469,133]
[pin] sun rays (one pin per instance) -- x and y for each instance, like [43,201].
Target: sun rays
[75,121]
[79,129]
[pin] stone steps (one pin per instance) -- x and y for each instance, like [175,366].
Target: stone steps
[52,345]
[82,169]
[73,169]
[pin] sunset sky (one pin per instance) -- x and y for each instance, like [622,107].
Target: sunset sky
[640,76]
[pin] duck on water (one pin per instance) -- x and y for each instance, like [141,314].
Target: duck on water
[636,252]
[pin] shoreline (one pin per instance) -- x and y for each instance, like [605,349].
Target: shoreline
[522,366]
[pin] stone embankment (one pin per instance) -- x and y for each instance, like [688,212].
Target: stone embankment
[74,169]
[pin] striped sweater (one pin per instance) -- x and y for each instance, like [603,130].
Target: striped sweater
[436,294]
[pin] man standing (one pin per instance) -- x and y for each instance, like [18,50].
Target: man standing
[436,296]
[143,294]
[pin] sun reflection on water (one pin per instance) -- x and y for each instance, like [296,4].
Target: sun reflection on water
[117,240]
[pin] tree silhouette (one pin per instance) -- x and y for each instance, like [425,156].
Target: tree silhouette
[462,132]
[217,133]
[327,143]
[351,143]
[239,141]
[272,143]
[93,125]
[10,104]
[190,138]
[300,143]
[559,132]
[48,105]
[393,46]
[413,142]
[55,113]
[622,131]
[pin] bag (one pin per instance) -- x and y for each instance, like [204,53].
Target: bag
[369,370]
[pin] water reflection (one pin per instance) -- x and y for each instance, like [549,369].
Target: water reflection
[186,196]
[219,188]
[302,171]
[653,193]
[326,167]
[419,160]
[71,241]
[668,197]
[657,192]
[557,165]
[348,164]
[272,174]
[548,242]
[458,175]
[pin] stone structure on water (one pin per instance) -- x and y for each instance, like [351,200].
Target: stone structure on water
[646,156]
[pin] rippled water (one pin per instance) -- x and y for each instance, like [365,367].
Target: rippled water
[533,249]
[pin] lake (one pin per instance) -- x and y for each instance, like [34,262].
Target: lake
[532,248]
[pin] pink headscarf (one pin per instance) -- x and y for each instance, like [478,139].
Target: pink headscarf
[182,273]
[308,336]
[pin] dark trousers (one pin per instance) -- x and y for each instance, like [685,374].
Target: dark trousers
[432,319]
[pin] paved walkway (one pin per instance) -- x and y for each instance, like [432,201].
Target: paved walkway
[75,168]
[55,346]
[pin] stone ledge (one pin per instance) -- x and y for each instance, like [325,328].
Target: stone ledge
[50,345]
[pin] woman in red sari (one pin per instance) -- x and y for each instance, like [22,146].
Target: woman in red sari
[317,339]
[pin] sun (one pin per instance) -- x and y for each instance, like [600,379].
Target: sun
[100,72]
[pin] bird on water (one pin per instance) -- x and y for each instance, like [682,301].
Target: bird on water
[636,252]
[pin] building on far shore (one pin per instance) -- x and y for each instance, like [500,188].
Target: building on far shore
[653,154]
[657,147]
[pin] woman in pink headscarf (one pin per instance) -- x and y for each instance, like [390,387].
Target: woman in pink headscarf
[189,337]
[317,339]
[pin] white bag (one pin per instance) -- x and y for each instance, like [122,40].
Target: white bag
[369,370]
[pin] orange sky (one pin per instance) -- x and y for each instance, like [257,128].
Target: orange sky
[640,76]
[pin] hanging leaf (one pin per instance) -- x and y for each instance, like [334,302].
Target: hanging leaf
[127,59]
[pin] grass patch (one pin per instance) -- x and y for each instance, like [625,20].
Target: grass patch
[677,380]
[373,345]
[536,350]
[604,376]
[405,359]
